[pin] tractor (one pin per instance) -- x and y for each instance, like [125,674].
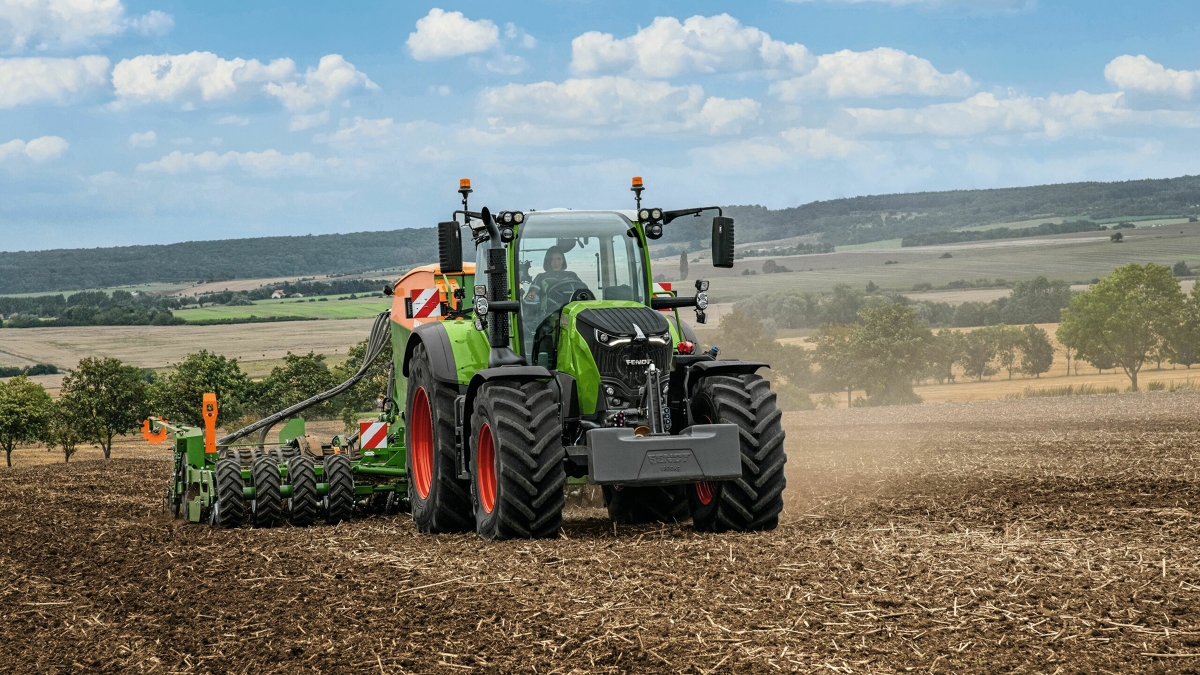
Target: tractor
[507,383]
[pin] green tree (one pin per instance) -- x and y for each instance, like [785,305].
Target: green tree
[744,336]
[1037,353]
[178,395]
[67,426]
[841,370]
[1180,269]
[368,392]
[979,354]
[893,347]
[945,351]
[683,266]
[24,413]
[1126,316]
[299,378]
[1038,300]
[1010,344]
[1185,339]
[112,399]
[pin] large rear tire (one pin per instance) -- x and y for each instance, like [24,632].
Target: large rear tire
[339,499]
[440,502]
[267,508]
[229,509]
[517,461]
[302,505]
[754,501]
[650,504]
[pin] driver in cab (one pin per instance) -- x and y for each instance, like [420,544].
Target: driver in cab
[556,272]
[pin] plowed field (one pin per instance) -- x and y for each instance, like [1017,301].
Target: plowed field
[1044,535]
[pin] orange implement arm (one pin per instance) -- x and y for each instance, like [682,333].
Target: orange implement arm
[210,423]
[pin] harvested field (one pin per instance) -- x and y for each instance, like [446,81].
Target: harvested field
[1050,535]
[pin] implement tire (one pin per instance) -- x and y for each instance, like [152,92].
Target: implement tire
[517,461]
[440,502]
[267,508]
[339,499]
[229,509]
[647,504]
[302,505]
[754,501]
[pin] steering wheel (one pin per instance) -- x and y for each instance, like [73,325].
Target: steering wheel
[564,291]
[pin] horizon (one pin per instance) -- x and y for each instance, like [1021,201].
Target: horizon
[129,122]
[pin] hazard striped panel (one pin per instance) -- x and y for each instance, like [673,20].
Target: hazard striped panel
[662,287]
[426,303]
[372,435]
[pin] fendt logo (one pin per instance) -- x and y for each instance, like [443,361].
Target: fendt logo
[637,362]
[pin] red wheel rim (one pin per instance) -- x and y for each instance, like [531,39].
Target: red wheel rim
[485,456]
[705,492]
[422,443]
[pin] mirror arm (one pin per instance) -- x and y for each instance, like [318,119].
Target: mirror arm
[668,216]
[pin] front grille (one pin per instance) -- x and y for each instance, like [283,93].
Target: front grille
[616,361]
[626,362]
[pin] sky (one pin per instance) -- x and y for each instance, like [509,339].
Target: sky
[146,122]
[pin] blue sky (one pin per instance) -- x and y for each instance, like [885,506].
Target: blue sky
[130,121]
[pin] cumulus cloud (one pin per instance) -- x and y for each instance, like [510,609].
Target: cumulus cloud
[268,163]
[39,150]
[589,106]
[359,129]
[442,35]
[788,146]
[985,113]
[143,140]
[878,72]
[234,120]
[57,24]
[1140,74]
[669,47]
[207,78]
[37,80]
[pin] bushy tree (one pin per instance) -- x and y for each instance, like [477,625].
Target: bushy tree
[945,351]
[111,398]
[179,395]
[1037,353]
[365,395]
[1180,269]
[1125,317]
[67,426]
[894,347]
[299,378]
[25,410]
[978,358]
[1010,343]
[841,370]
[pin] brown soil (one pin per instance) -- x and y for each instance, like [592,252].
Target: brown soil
[1048,535]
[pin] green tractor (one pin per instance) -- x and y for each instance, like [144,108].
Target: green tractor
[580,372]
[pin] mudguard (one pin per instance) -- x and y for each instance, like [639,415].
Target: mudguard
[437,344]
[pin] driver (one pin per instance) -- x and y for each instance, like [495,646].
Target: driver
[555,266]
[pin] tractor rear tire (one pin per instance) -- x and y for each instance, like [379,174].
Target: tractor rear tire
[267,509]
[229,509]
[754,501]
[440,501]
[651,504]
[517,461]
[339,500]
[302,507]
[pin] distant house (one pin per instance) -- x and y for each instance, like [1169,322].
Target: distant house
[277,294]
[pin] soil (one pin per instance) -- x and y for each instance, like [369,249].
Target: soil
[1042,535]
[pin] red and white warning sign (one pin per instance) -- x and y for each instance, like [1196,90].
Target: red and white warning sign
[372,435]
[426,303]
[662,287]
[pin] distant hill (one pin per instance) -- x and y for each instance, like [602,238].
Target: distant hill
[838,221]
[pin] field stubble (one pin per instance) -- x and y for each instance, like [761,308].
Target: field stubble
[1040,535]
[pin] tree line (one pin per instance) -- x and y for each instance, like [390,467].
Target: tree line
[103,398]
[956,236]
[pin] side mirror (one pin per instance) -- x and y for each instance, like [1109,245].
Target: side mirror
[722,242]
[450,254]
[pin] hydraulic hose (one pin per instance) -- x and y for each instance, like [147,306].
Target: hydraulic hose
[381,333]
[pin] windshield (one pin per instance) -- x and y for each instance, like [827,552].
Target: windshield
[567,256]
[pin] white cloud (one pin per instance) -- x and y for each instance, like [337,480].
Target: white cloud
[878,72]
[39,150]
[302,122]
[1139,73]
[182,140]
[506,64]
[359,129]
[668,47]
[143,140]
[984,114]
[208,78]
[35,80]
[604,105]
[57,24]
[333,77]
[819,143]
[268,163]
[512,32]
[442,35]
[790,145]
[234,120]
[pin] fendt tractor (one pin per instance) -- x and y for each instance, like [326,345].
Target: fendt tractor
[563,363]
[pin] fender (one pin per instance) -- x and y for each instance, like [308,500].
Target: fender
[518,373]
[437,344]
[705,366]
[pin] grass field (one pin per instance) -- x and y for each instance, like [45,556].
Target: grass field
[325,307]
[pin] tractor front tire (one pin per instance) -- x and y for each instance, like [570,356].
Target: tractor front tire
[229,509]
[652,504]
[302,506]
[754,501]
[267,510]
[440,502]
[339,499]
[517,461]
